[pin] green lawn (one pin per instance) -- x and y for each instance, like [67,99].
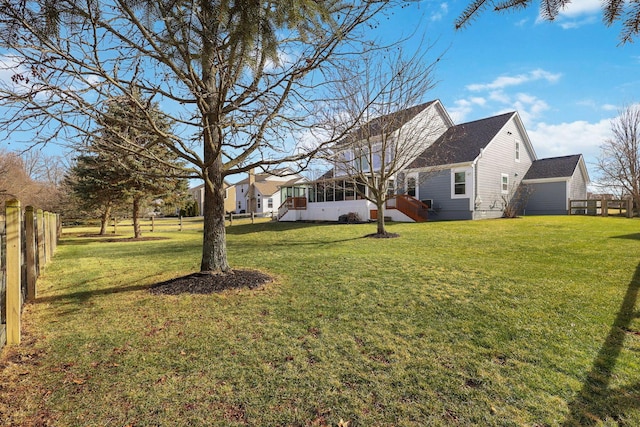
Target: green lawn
[525,322]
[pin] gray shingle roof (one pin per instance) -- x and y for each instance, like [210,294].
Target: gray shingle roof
[384,124]
[553,167]
[462,143]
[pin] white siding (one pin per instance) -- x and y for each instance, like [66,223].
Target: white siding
[499,157]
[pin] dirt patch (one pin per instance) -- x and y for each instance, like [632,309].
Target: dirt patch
[208,283]
[382,236]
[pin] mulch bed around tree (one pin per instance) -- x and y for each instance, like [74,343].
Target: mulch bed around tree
[208,283]
[382,236]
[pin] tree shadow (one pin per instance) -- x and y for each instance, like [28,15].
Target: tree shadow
[633,236]
[82,296]
[597,401]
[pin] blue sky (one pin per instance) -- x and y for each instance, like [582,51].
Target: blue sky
[567,78]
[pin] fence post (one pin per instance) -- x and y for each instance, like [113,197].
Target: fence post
[252,217]
[604,206]
[153,224]
[47,236]
[31,242]
[42,258]
[53,226]
[180,222]
[570,207]
[115,221]
[230,219]
[14,247]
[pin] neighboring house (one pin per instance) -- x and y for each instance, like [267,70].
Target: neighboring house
[264,192]
[553,182]
[467,171]
[229,197]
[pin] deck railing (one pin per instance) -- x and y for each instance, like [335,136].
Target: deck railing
[410,206]
[292,204]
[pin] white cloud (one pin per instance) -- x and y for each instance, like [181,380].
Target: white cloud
[9,67]
[572,25]
[580,8]
[579,137]
[500,96]
[441,13]
[577,14]
[517,80]
[529,107]
[463,107]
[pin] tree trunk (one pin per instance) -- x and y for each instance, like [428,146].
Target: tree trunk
[104,220]
[136,214]
[214,242]
[381,229]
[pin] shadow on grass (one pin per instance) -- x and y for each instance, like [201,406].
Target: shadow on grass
[240,229]
[597,401]
[634,236]
[82,296]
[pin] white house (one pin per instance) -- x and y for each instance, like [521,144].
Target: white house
[265,192]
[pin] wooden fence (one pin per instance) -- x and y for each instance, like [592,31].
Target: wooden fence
[28,241]
[603,207]
[153,224]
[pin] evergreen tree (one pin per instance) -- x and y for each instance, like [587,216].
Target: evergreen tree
[143,167]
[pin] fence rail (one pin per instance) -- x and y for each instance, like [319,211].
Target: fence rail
[153,224]
[602,207]
[28,239]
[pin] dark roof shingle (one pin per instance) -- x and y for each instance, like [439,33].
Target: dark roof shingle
[553,167]
[462,143]
[384,124]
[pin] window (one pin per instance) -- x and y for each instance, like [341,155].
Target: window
[411,187]
[362,162]
[259,203]
[239,206]
[270,203]
[517,151]
[391,188]
[505,183]
[460,183]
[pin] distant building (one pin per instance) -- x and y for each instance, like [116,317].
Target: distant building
[229,197]
[265,192]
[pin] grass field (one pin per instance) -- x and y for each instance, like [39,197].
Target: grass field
[525,322]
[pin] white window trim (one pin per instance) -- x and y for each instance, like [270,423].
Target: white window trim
[502,176]
[467,183]
[518,148]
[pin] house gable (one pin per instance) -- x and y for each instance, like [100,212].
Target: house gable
[409,131]
[553,181]
[500,168]
[462,143]
[556,168]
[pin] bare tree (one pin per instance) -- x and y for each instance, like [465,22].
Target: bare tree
[516,199]
[19,179]
[619,160]
[383,94]
[240,80]
[625,12]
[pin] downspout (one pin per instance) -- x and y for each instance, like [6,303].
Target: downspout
[474,168]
